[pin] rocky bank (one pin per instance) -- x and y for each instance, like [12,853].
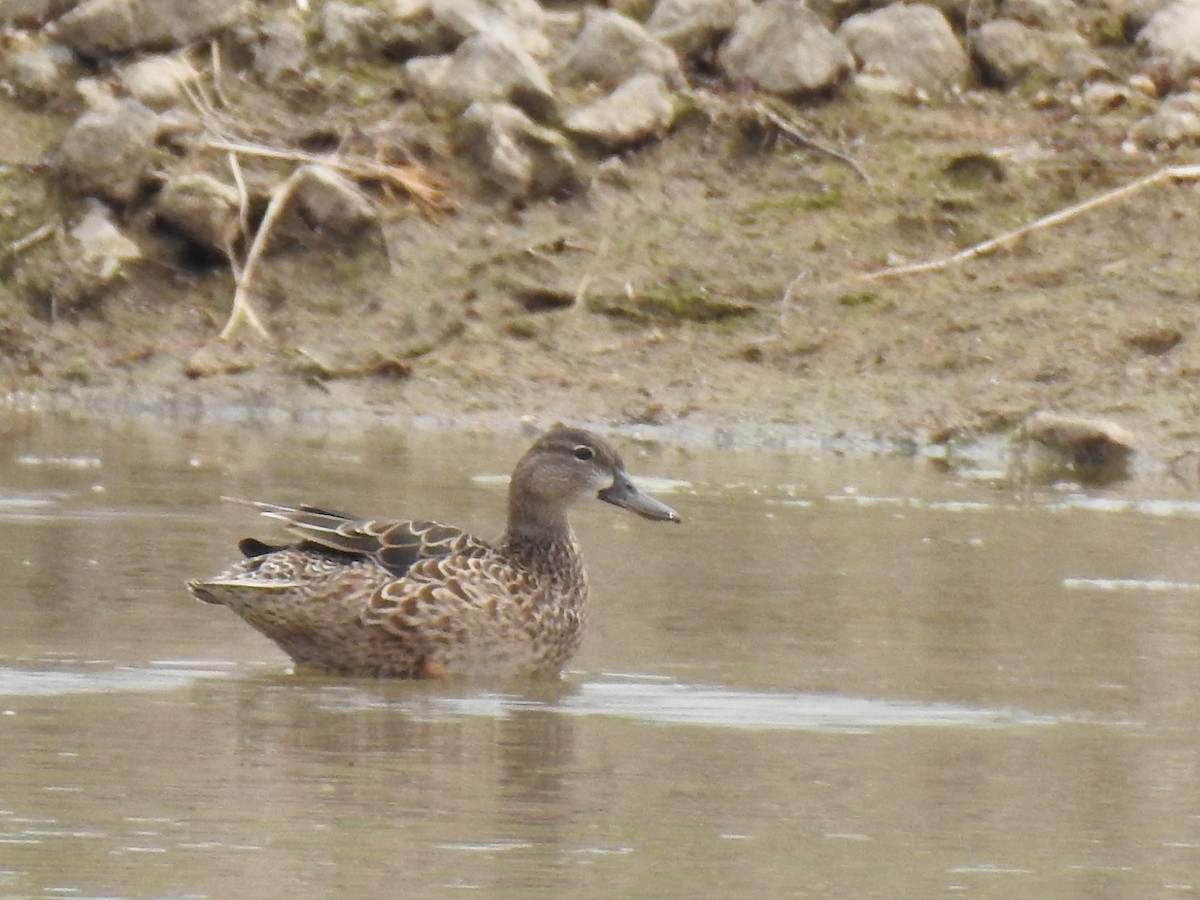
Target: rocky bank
[649,213]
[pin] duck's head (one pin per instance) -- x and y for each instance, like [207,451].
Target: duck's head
[568,464]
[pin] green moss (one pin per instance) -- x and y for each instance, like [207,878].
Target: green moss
[672,303]
[788,205]
[522,327]
[857,298]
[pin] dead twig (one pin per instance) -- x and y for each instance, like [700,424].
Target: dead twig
[215,121]
[413,180]
[1170,173]
[226,133]
[243,194]
[214,53]
[35,237]
[243,311]
[786,303]
[764,112]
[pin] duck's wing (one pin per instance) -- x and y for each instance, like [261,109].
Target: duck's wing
[440,597]
[394,545]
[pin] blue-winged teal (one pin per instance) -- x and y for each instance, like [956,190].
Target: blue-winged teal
[418,599]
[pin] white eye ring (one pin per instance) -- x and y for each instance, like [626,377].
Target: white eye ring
[583,452]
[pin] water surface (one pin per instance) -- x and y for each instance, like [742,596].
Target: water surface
[836,679]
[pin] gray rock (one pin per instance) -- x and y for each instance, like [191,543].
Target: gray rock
[332,203]
[640,109]
[1175,122]
[521,22]
[875,85]
[201,209]
[349,30]
[31,13]
[39,72]
[103,247]
[1171,41]
[158,81]
[1102,96]
[612,47]
[412,30]
[692,26]
[108,149]
[483,69]
[783,47]
[1049,15]
[97,28]
[78,268]
[415,29]
[838,11]
[914,44]
[1136,13]
[1006,52]
[1053,446]
[1071,58]
[518,158]
[279,49]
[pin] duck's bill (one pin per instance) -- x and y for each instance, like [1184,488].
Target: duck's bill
[622,492]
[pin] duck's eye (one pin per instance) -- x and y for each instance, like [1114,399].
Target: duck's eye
[583,452]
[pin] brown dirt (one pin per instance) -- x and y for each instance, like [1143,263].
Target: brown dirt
[658,297]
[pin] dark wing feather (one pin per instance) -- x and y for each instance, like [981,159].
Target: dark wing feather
[394,545]
[252,547]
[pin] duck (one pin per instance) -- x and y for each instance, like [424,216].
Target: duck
[419,599]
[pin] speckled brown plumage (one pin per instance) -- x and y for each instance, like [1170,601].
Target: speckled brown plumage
[410,599]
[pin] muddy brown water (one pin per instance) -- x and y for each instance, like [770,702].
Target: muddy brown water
[836,679]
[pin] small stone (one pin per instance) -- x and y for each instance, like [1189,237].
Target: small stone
[1048,15]
[100,28]
[1071,59]
[1144,85]
[1092,450]
[640,109]
[913,43]
[518,158]
[158,81]
[1175,122]
[102,245]
[1006,52]
[348,30]
[75,271]
[1156,341]
[1136,13]
[108,149]
[1103,96]
[1171,41]
[202,209]
[279,48]
[520,22]
[332,203]
[876,85]
[694,26]
[612,47]
[39,73]
[784,47]
[485,68]
[31,13]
